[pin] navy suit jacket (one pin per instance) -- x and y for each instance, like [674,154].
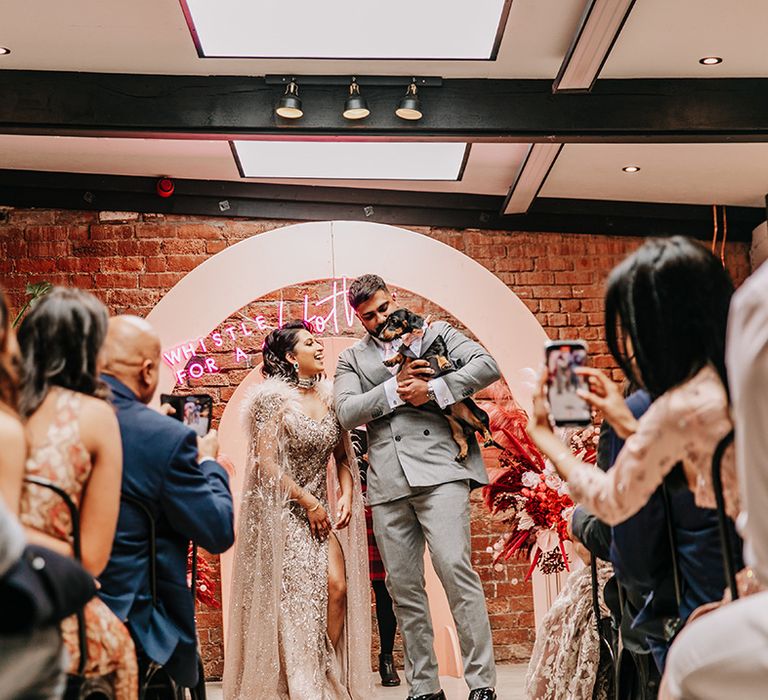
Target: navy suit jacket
[190,501]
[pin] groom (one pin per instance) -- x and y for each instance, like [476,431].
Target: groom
[418,492]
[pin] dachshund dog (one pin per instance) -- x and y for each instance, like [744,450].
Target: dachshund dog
[464,417]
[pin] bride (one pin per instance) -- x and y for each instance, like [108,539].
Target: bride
[299,622]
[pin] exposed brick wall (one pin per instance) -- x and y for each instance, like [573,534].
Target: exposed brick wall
[131,261]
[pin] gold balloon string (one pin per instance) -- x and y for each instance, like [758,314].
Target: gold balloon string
[714,226]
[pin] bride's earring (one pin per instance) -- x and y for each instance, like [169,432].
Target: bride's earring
[296,366]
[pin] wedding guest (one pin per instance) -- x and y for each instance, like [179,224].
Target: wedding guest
[39,652]
[385,613]
[75,443]
[566,658]
[666,307]
[666,311]
[724,654]
[175,473]
[640,553]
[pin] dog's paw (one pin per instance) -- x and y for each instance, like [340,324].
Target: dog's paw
[462,455]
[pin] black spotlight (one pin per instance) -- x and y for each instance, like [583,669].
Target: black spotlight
[355,107]
[410,106]
[289,105]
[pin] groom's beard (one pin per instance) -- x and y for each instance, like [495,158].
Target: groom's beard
[376,332]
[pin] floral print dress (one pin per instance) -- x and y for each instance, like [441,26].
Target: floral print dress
[63,459]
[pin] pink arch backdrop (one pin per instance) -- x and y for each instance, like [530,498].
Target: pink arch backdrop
[300,253]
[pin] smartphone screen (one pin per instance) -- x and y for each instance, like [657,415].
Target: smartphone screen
[193,410]
[563,358]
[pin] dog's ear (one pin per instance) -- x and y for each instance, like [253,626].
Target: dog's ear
[414,320]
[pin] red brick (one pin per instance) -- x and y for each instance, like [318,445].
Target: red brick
[111,232]
[116,280]
[184,263]
[155,264]
[78,264]
[36,265]
[41,249]
[198,231]
[160,279]
[156,230]
[175,246]
[122,264]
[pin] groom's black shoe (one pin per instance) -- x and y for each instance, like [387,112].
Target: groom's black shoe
[483,694]
[439,695]
[387,671]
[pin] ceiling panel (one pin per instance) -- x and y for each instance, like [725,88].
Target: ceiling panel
[151,36]
[666,38]
[679,173]
[428,29]
[489,169]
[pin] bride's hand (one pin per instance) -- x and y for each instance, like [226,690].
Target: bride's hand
[344,514]
[319,522]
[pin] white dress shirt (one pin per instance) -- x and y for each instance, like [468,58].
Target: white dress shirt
[438,385]
[747,363]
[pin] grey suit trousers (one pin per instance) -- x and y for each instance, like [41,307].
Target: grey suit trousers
[439,516]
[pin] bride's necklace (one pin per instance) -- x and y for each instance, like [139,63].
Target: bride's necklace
[307,382]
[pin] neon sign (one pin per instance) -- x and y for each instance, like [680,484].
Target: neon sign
[321,322]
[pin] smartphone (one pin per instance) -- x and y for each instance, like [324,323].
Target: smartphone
[563,358]
[193,410]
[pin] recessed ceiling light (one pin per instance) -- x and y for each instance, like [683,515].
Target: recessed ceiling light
[4,51]
[710,60]
[351,160]
[631,169]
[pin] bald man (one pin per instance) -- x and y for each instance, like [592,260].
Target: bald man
[176,475]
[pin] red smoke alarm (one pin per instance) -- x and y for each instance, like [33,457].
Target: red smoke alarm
[164,187]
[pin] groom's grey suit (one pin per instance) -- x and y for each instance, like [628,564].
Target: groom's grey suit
[419,493]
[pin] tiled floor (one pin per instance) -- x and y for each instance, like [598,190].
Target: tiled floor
[510,687]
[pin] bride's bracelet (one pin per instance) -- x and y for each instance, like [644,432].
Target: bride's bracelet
[312,510]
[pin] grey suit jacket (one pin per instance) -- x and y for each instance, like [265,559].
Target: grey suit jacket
[410,447]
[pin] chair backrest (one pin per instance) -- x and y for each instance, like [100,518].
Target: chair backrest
[74,515]
[726,543]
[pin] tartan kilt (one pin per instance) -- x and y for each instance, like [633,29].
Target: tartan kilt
[375,565]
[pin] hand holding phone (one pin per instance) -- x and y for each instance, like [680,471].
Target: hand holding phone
[563,359]
[194,410]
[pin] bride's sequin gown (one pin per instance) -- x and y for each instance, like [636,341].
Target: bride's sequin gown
[278,646]
[307,654]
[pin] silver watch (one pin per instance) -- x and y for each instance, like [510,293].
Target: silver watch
[431,393]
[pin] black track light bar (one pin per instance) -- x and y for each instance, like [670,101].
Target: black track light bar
[361,80]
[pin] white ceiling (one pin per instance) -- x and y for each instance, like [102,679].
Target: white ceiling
[682,173]
[662,38]
[151,36]
[666,38]
[489,169]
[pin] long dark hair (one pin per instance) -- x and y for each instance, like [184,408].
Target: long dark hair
[671,298]
[277,345]
[9,362]
[60,341]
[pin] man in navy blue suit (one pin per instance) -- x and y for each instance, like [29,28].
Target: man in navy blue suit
[176,475]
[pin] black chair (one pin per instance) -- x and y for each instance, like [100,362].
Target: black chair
[607,633]
[154,682]
[726,543]
[79,686]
